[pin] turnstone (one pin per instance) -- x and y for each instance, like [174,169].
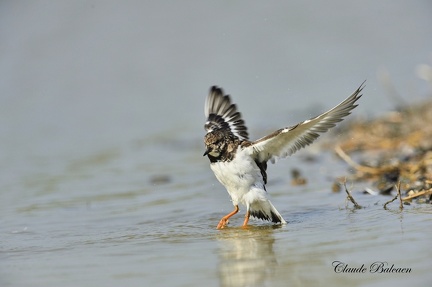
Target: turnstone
[240,165]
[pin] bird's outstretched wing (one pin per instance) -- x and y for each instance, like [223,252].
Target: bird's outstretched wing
[286,141]
[222,114]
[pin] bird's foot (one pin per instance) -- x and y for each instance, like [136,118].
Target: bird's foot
[222,223]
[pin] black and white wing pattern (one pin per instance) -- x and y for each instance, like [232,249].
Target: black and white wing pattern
[286,141]
[222,114]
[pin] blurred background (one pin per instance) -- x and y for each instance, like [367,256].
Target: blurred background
[81,74]
[101,102]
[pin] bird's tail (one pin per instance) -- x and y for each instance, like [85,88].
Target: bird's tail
[266,211]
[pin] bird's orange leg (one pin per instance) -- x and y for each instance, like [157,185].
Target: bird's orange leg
[246,220]
[224,221]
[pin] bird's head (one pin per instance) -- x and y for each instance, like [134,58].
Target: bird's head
[215,142]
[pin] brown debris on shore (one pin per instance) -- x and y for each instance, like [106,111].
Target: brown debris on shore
[393,149]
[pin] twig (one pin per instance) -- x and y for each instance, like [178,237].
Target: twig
[350,198]
[355,165]
[424,192]
[390,201]
[400,196]
[397,195]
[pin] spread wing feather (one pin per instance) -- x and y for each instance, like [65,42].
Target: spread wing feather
[284,142]
[222,114]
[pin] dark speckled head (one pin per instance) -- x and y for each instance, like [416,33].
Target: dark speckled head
[215,143]
[220,144]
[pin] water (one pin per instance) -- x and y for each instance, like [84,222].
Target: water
[104,222]
[102,182]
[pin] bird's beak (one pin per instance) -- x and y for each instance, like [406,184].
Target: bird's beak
[206,152]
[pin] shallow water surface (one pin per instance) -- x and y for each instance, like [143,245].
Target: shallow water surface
[108,225]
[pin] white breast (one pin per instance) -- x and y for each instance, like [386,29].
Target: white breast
[238,175]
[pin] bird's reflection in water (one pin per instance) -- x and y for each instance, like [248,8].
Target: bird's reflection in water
[246,256]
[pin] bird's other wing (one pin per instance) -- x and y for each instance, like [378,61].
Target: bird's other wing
[221,113]
[286,141]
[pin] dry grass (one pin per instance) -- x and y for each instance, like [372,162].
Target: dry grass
[396,148]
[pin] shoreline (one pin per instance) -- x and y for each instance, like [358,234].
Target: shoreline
[391,153]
